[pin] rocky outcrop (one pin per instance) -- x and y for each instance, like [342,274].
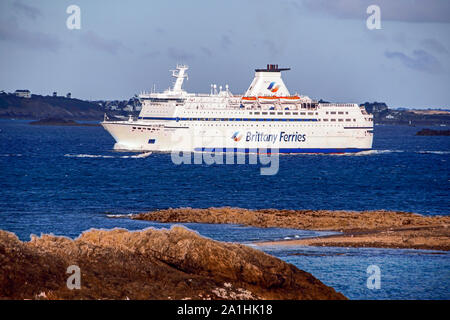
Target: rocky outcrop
[297,219]
[149,264]
[431,132]
[380,228]
[428,238]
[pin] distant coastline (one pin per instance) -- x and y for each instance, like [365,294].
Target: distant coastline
[61,122]
[36,107]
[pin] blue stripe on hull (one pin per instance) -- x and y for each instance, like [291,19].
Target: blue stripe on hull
[284,150]
[227,119]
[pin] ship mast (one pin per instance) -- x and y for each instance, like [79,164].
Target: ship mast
[179,74]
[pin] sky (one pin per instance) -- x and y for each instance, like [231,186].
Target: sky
[124,47]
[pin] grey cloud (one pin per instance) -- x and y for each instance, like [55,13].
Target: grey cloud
[180,55]
[206,51]
[26,9]
[160,30]
[272,48]
[97,42]
[225,41]
[11,32]
[151,54]
[420,60]
[434,45]
[401,39]
[394,10]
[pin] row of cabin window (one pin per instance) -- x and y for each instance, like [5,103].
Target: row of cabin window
[340,120]
[285,113]
[339,112]
[271,113]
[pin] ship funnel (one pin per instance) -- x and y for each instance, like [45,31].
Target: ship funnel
[268,82]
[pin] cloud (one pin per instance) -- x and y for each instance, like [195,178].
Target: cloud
[179,55]
[151,54]
[26,9]
[11,32]
[434,45]
[393,10]
[97,42]
[420,60]
[272,48]
[206,51]
[225,41]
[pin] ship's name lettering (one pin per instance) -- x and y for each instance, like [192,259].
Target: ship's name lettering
[273,137]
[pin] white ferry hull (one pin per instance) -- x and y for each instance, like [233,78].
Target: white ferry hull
[168,138]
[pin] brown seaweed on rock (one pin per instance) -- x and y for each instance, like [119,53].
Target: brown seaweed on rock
[149,264]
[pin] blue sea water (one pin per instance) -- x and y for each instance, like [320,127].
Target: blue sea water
[64,180]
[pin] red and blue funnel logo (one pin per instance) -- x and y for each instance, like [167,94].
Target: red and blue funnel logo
[236,136]
[273,87]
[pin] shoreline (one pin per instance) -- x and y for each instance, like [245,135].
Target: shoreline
[361,229]
[392,239]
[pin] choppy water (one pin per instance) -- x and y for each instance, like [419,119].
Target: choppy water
[65,180]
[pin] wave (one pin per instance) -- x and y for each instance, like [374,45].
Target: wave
[375,152]
[119,215]
[11,155]
[137,156]
[361,153]
[87,156]
[433,152]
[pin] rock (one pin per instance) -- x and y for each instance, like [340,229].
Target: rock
[149,264]
[298,219]
[431,132]
[366,226]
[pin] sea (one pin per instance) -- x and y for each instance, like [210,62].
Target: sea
[64,180]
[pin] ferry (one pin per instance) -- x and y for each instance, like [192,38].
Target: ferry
[267,118]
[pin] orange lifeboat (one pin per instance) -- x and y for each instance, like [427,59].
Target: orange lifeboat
[290,99]
[248,99]
[268,99]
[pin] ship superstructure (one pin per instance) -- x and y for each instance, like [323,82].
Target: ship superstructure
[267,116]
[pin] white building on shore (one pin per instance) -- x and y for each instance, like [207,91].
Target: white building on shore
[23,93]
